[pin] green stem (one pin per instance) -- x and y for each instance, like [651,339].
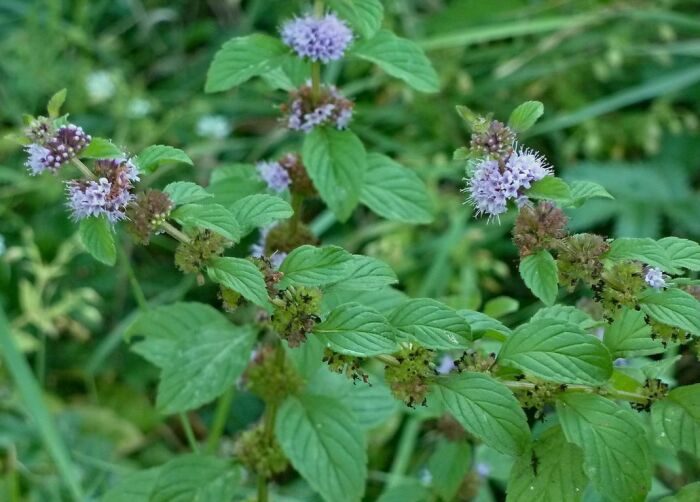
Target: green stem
[189,433]
[297,206]
[387,359]
[262,489]
[269,428]
[41,359]
[223,406]
[614,393]
[175,233]
[135,286]
[83,168]
[318,8]
[315,82]
[407,443]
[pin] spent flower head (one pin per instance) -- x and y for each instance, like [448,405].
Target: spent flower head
[303,113]
[322,39]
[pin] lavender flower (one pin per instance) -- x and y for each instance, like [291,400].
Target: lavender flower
[319,39]
[68,141]
[38,159]
[303,113]
[257,250]
[446,365]
[483,469]
[654,277]
[276,176]
[527,166]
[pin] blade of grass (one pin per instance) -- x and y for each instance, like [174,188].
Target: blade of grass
[31,394]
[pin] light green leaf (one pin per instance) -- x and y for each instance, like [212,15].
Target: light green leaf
[312,266]
[214,217]
[97,238]
[673,307]
[365,272]
[688,493]
[336,162]
[525,115]
[400,58]
[486,408]
[448,465]
[501,306]
[365,16]
[133,487]
[614,443]
[481,324]
[432,324]
[539,272]
[186,192]
[683,253]
[557,351]
[629,335]
[567,313]
[395,192]
[581,191]
[642,249]
[56,102]
[260,210]
[550,188]
[677,418]
[153,156]
[357,330]
[101,148]
[241,59]
[194,477]
[240,275]
[325,445]
[552,470]
[408,490]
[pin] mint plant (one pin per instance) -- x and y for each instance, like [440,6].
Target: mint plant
[333,348]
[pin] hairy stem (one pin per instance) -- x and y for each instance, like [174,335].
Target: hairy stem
[223,405]
[83,168]
[175,233]
[189,433]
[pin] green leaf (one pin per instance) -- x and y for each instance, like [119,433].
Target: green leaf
[325,445]
[683,253]
[195,478]
[641,249]
[186,192]
[408,490]
[581,191]
[673,307]
[336,162]
[365,16]
[365,272]
[557,351]
[312,266]
[501,306]
[214,217]
[240,275]
[400,58]
[525,115]
[550,188]
[614,444]
[155,155]
[395,192]
[539,272]
[689,493]
[260,210]
[97,238]
[552,470]
[448,466]
[101,148]
[568,314]
[486,408]
[56,102]
[481,324]
[630,335]
[241,59]
[133,487]
[432,324]
[677,418]
[357,330]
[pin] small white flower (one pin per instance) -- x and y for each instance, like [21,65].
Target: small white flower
[655,278]
[213,126]
[138,108]
[100,86]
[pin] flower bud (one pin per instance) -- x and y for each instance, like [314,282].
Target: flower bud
[409,379]
[538,228]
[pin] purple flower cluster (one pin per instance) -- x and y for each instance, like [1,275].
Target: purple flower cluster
[654,277]
[68,141]
[495,182]
[303,113]
[107,196]
[257,250]
[317,38]
[274,175]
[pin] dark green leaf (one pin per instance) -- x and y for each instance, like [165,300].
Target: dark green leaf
[214,217]
[260,210]
[240,275]
[186,192]
[448,466]
[365,16]
[195,478]
[677,418]
[539,272]
[642,249]
[673,307]
[432,324]
[630,335]
[153,156]
[357,330]
[365,272]
[97,238]
[312,266]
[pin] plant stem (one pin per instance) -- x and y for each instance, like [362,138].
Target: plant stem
[223,406]
[614,393]
[315,82]
[83,168]
[189,433]
[318,8]
[135,286]
[407,443]
[386,359]
[297,206]
[175,233]
[269,428]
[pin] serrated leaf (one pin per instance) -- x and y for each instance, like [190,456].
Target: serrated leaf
[525,115]
[312,266]
[448,465]
[101,148]
[614,444]
[186,192]
[550,188]
[365,16]
[677,418]
[336,162]
[581,191]
[641,249]
[260,210]
[231,183]
[432,324]
[325,445]
[97,238]
[400,58]
[194,477]
[486,408]
[153,156]
[241,59]
[630,335]
[539,272]
[56,102]
[567,313]
[481,324]
[557,351]
[683,253]
[240,275]
[462,153]
[394,192]
[214,217]
[365,272]
[356,330]
[673,307]
[552,470]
